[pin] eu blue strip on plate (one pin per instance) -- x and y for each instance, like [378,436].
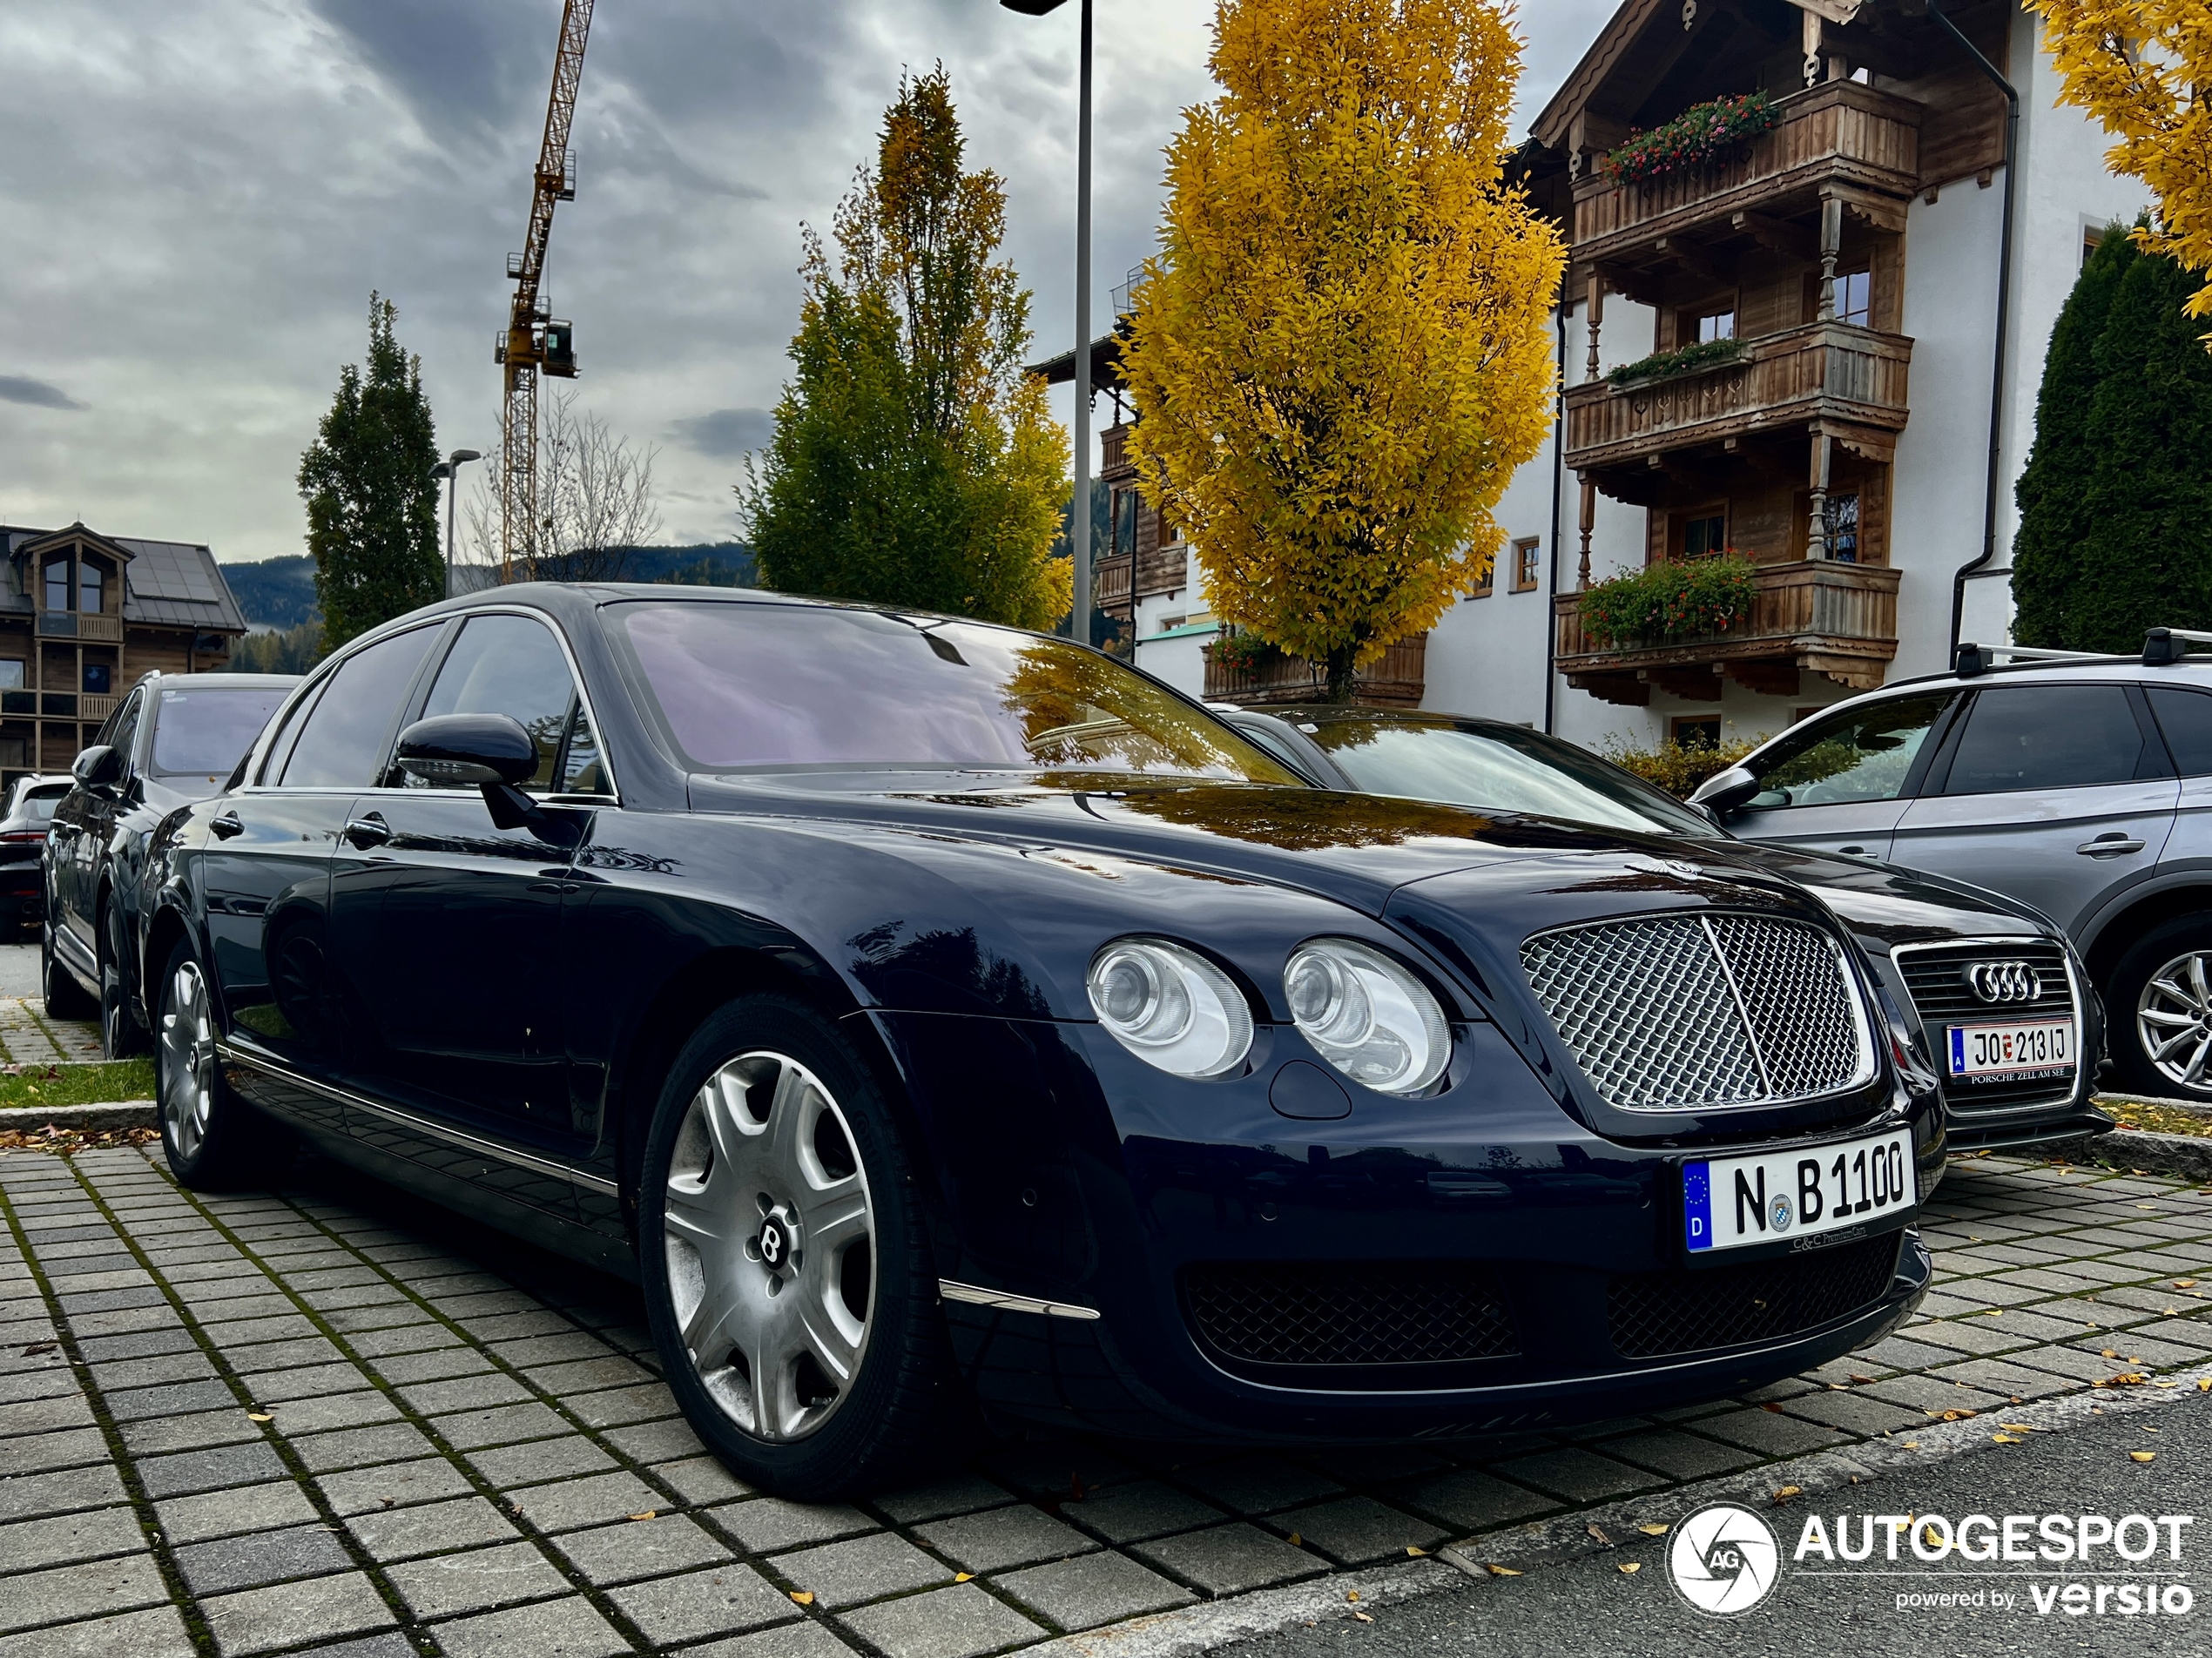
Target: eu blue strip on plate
[1698,1204]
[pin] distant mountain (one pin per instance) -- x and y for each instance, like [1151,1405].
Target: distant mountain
[280,593]
[275,592]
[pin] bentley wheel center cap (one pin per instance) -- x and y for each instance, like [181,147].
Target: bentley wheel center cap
[776,1242]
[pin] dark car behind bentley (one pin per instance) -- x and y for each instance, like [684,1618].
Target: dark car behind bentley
[927,1011]
[22,845]
[175,738]
[2004,1006]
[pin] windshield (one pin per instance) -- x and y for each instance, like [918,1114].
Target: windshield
[202,732]
[757,687]
[1501,768]
[38,805]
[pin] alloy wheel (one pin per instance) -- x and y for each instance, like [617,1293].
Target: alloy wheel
[2174,1021]
[187,1077]
[770,1246]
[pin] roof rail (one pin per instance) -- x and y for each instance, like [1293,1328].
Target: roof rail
[1975,659]
[2163,647]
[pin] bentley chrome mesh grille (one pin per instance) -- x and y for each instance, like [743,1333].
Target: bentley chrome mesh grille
[1684,1012]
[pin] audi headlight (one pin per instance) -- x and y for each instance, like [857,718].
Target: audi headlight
[1367,1016]
[1170,1007]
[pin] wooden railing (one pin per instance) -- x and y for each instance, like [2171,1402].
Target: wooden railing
[1395,679]
[1113,450]
[1837,133]
[1110,579]
[80,624]
[1832,369]
[1831,618]
[89,707]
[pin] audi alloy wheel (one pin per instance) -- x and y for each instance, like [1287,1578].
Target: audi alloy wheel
[187,1061]
[2174,1021]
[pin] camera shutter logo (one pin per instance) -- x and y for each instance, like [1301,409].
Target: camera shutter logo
[1724,1560]
[1996,981]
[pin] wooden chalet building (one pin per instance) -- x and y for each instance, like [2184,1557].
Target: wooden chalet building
[82,617]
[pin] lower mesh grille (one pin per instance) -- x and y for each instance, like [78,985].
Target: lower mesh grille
[1364,1314]
[1657,1314]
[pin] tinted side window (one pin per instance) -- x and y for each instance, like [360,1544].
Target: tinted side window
[512,666]
[123,731]
[1863,755]
[342,742]
[583,771]
[2050,737]
[2186,717]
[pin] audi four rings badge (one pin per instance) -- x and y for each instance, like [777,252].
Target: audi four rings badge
[2004,981]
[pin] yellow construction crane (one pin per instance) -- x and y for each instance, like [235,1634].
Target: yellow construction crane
[534,339]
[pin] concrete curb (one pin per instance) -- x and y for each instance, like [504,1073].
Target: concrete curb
[113,1114]
[2195,1107]
[2182,1157]
[1564,1538]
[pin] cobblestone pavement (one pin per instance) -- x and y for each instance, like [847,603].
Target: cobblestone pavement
[340,1421]
[28,1037]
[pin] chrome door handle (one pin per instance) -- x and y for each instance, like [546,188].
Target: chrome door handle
[370,831]
[227,826]
[2118,844]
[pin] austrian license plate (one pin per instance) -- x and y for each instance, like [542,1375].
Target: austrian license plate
[1997,1050]
[1730,1202]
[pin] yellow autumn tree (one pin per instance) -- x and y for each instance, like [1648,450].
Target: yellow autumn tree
[2144,69]
[1341,351]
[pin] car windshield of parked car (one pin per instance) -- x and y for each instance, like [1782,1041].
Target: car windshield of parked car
[1865,754]
[37,804]
[745,687]
[201,732]
[1500,769]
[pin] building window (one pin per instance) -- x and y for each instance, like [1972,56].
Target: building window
[97,678]
[1843,528]
[88,587]
[1855,298]
[1483,589]
[1716,325]
[1525,565]
[1703,535]
[10,675]
[1696,730]
[2093,238]
[58,585]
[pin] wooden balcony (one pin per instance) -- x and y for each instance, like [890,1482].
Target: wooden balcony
[92,707]
[1394,680]
[1839,620]
[1109,582]
[80,624]
[1851,140]
[1113,453]
[1162,569]
[1834,373]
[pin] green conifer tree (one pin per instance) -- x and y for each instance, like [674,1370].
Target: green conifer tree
[372,504]
[2053,488]
[2147,547]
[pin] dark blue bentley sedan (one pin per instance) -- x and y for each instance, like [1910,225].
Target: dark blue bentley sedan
[931,1014]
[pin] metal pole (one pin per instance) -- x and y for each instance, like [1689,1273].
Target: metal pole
[453,483]
[1079,507]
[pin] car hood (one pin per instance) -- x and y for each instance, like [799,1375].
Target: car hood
[1885,906]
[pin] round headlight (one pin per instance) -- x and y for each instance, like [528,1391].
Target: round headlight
[1367,1016]
[1170,1007]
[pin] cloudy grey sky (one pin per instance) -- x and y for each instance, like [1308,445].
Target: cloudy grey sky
[199,195]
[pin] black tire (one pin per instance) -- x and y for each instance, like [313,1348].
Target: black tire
[2134,1007]
[65,998]
[213,1140]
[901,1410]
[121,1035]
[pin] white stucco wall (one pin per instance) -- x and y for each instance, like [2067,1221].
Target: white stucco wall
[1176,653]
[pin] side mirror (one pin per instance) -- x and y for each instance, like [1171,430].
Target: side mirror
[467,748]
[98,767]
[494,753]
[1725,791]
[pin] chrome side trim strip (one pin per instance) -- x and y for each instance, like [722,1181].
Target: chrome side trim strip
[952,1290]
[421,1125]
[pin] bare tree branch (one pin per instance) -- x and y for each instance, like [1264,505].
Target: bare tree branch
[595,500]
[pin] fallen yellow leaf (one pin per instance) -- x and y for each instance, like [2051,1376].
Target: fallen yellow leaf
[2204,1384]
[2017,1427]
[1653,1528]
[1362,1617]
[1417,1553]
[647,1514]
[1630,1569]
[2141,1456]
[1297,1541]
[259,1416]
[805,1597]
[2185,1284]
[1501,1571]
[2005,1438]
[1786,1492]
[964,1577]
[1352,1594]
[1910,1445]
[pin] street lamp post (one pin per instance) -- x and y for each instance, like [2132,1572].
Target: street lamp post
[1079,507]
[449,469]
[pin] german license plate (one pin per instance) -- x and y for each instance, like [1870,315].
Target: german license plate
[1730,1202]
[1997,1050]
